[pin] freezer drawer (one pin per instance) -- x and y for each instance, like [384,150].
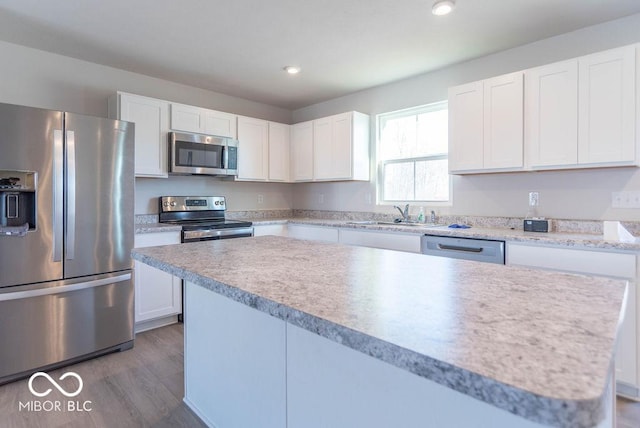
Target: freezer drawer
[55,322]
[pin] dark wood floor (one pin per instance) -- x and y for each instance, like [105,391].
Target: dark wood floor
[142,387]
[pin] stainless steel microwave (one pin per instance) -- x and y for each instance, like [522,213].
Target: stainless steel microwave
[202,154]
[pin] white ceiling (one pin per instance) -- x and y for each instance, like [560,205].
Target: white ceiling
[238,47]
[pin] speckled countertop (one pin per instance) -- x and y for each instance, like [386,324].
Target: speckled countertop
[514,235]
[573,239]
[537,344]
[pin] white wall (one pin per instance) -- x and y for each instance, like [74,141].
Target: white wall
[569,194]
[240,196]
[41,79]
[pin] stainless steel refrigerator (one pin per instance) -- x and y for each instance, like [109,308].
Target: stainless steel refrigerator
[66,233]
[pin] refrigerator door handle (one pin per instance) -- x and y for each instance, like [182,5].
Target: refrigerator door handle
[63,288]
[71,195]
[58,195]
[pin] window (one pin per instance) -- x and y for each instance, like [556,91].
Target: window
[413,155]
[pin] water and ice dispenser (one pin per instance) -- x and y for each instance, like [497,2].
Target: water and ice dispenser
[17,202]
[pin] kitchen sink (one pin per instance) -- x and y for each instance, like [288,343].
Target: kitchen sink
[392,223]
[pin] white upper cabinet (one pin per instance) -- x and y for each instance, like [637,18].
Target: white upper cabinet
[253,149]
[581,113]
[203,121]
[302,151]
[279,148]
[341,147]
[466,112]
[486,125]
[551,114]
[606,123]
[151,118]
[504,122]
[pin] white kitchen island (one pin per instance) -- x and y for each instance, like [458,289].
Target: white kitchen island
[282,332]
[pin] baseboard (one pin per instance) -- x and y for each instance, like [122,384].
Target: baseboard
[155,323]
[198,413]
[628,391]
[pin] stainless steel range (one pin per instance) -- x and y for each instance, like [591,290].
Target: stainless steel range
[202,218]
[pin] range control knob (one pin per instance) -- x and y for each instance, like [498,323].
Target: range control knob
[173,203]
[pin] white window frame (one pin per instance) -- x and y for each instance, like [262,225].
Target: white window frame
[381,164]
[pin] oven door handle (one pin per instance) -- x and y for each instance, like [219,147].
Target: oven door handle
[215,233]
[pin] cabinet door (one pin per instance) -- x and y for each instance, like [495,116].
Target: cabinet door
[342,146]
[253,149]
[151,117]
[158,293]
[322,149]
[503,122]
[220,123]
[302,151]
[187,118]
[466,117]
[551,109]
[607,107]
[278,151]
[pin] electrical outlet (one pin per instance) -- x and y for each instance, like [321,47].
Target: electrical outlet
[625,199]
[367,198]
[534,199]
[321,198]
[260,199]
[616,200]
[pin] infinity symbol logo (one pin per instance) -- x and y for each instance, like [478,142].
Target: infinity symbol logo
[54,383]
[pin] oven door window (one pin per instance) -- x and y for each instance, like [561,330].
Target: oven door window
[198,155]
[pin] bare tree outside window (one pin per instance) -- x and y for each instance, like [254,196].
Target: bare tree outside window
[413,154]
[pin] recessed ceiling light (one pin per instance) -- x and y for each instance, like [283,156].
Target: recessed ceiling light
[292,69]
[442,7]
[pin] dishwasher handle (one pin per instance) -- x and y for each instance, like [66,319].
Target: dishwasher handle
[458,248]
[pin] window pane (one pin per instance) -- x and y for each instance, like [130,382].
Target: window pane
[432,133]
[398,181]
[398,138]
[432,180]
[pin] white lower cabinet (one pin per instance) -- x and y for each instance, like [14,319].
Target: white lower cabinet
[270,229]
[618,265]
[313,233]
[409,242]
[158,295]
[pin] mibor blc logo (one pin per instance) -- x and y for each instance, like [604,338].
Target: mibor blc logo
[55,405]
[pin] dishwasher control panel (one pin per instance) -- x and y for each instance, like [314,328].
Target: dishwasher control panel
[481,250]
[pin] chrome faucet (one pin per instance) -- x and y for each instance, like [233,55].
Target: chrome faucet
[405,213]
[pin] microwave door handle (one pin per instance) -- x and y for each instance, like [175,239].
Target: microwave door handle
[225,157]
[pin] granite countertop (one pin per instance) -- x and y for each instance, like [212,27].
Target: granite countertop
[585,240]
[156,228]
[537,344]
[514,235]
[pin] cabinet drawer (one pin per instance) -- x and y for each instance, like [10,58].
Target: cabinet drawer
[618,265]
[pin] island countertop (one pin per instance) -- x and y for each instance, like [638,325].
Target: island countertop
[537,344]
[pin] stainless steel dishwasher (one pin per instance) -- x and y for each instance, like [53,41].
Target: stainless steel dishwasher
[481,250]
